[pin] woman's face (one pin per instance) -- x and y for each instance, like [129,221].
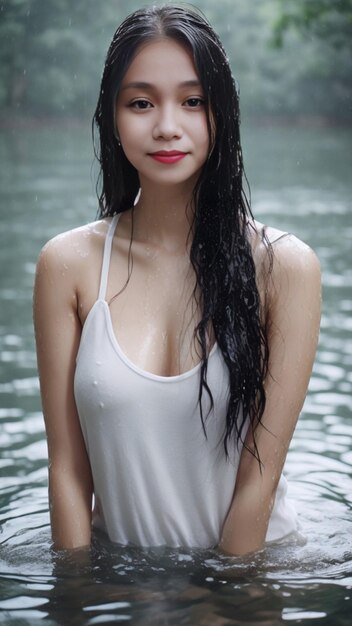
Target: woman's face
[161,115]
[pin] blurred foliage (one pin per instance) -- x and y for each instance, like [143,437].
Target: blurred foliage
[323,27]
[52,53]
[330,20]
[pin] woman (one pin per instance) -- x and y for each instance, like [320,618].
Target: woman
[175,335]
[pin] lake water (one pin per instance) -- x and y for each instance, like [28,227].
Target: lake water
[301,181]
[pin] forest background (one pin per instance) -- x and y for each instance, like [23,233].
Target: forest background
[292,58]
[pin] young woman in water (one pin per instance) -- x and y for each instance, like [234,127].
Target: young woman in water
[175,335]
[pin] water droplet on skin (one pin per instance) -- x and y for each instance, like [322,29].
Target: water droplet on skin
[101,404]
[81,253]
[95,382]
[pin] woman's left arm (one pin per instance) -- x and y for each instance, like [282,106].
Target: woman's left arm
[293,329]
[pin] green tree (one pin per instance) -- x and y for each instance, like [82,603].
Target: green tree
[323,28]
[51,52]
[330,20]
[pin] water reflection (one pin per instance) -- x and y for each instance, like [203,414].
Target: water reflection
[46,188]
[173,587]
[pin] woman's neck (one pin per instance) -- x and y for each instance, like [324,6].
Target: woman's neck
[163,217]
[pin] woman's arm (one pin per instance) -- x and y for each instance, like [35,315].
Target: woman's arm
[58,330]
[294,318]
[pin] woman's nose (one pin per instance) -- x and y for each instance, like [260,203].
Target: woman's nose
[167,125]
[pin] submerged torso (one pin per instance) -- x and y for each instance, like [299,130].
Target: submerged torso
[157,478]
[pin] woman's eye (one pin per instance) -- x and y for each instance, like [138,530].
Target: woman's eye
[194,102]
[140,104]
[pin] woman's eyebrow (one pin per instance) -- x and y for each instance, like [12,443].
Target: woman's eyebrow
[151,87]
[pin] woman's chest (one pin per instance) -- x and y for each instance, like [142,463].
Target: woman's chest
[154,312]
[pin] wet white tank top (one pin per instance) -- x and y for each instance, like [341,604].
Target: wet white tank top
[157,479]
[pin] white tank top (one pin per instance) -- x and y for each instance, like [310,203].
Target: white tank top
[157,479]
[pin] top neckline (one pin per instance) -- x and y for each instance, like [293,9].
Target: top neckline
[142,372]
[114,341]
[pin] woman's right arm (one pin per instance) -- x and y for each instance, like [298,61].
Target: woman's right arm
[58,331]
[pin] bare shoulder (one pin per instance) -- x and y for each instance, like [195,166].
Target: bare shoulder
[75,243]
[286,253]
[287,269]
[72,249]
[69,265]
[294,262]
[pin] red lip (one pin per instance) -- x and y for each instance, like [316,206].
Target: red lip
[168,156]
[167,153]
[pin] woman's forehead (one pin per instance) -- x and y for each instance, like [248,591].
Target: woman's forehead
[162,59]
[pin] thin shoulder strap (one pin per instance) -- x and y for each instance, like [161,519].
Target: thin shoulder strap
[266,239]
[106,257]
[280,237]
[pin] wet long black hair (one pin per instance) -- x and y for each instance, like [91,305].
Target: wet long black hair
[220,251]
